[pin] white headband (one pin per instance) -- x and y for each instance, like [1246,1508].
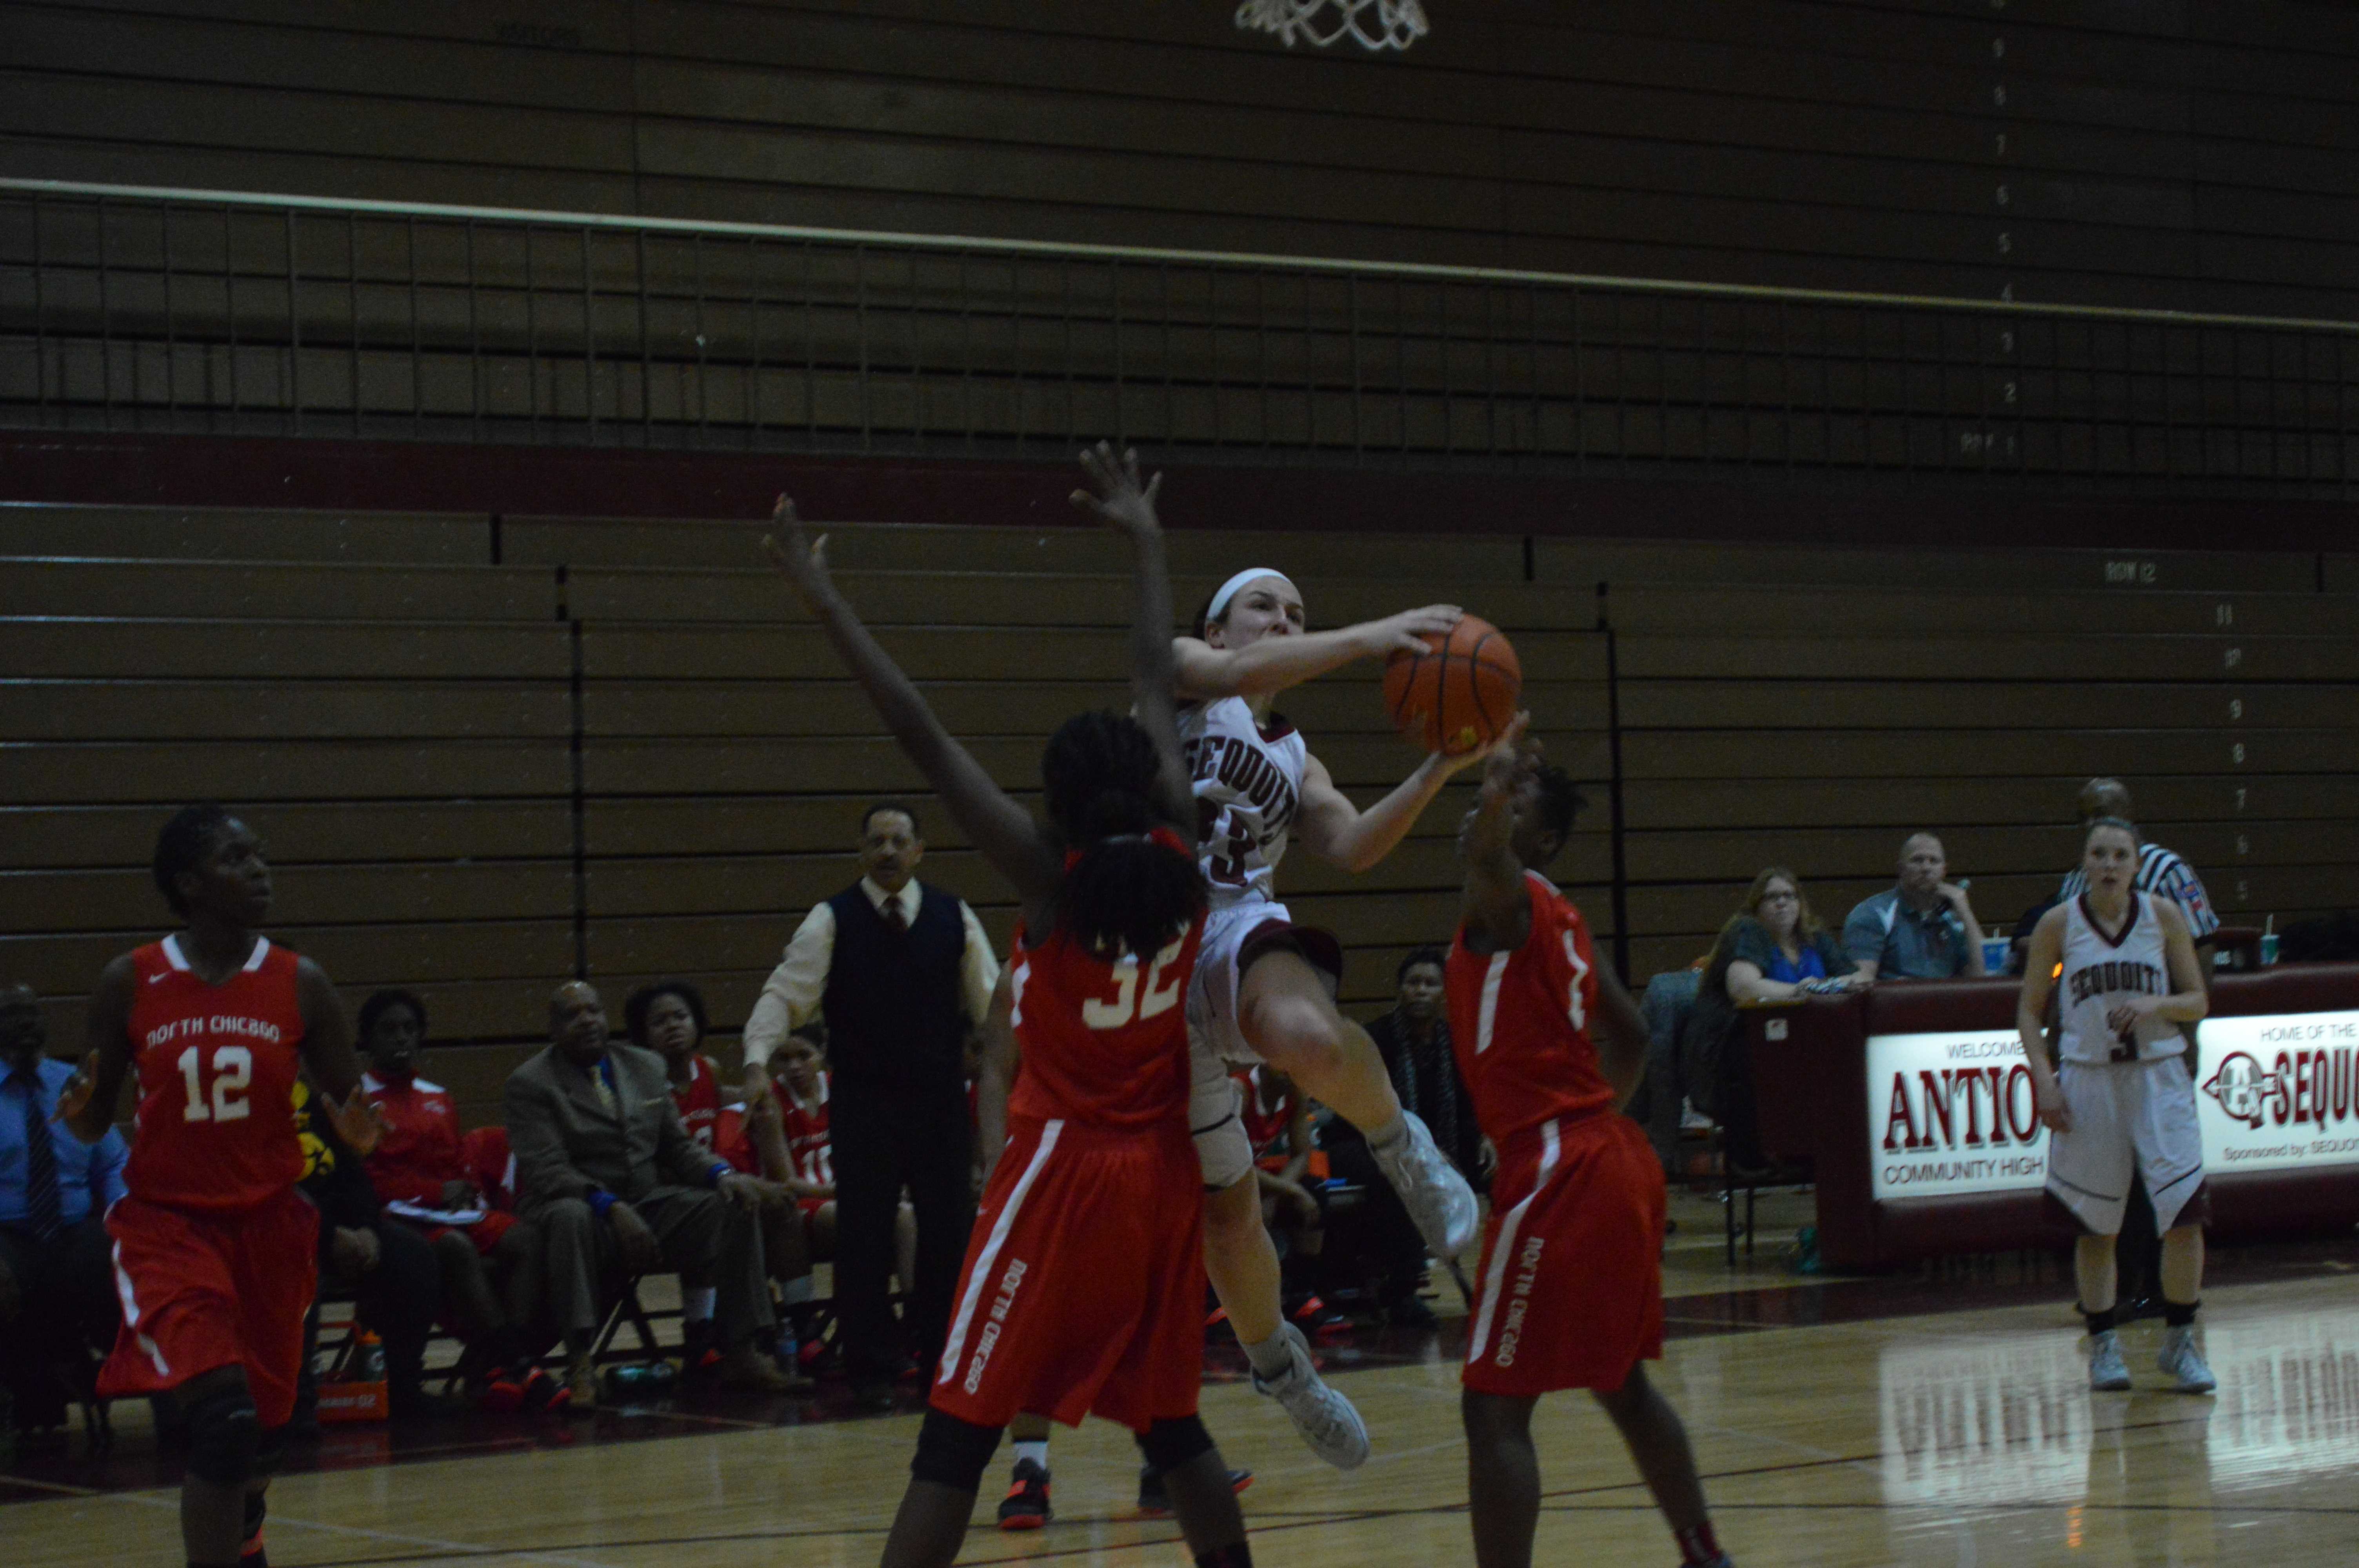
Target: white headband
[1229,589]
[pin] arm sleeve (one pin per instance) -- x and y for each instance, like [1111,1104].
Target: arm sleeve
[1862,936]
[1752,942]
[978,969]
[2182,887]
[543,1168]
[107,1161]
[791,994]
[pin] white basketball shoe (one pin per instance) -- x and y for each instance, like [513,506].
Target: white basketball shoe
[2184,1362]
[1326,1418]
[1431,1188]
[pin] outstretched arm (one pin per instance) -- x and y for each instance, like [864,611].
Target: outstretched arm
[1496,910]
[1343,834]
[87,1105]
[1126,504]
[998,827]
[1273,663]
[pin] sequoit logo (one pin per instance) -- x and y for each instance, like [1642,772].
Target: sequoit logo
[2302,1086]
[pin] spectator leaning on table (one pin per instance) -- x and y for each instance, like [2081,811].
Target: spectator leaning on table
[607,1171]
[1923,929]
[902,971]
[56,1288]
[1771,948]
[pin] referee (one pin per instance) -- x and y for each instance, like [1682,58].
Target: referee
[2161,874]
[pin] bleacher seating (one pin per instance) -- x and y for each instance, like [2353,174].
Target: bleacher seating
[416,709]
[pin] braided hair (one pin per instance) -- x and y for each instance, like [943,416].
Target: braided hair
[1122,891]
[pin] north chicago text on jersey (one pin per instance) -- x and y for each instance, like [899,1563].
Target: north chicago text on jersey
[2115,975]
[1242,768]
[228,1023]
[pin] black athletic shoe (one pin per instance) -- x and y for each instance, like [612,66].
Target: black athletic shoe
[1155,1502]
[1025,1505]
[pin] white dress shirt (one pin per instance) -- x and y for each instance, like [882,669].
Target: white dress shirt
[792,992]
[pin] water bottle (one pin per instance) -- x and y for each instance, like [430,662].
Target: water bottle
[642,1379]
[368,1364]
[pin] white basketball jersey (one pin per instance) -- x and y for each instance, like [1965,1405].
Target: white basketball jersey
[2099,974]
[1248,784]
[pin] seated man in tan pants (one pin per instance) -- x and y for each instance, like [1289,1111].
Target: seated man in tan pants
[605,1169]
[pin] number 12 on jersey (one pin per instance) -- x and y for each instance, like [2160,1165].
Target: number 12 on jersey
[233,1067]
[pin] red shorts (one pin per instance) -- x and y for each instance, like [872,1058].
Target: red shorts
[202,1290]
[1571,1292]
[1083,1289]
[484,1233]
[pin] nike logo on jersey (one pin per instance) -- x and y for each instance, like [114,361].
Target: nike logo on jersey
[156,979]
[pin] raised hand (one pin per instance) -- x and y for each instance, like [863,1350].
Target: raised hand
[1121,500]
[1506,761]
[1407,631]
[75,1097]
[355,1122]
[800,560]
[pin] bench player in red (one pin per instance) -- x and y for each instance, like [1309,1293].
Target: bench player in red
[1084,1285]
[1569,1294]
[214,1250]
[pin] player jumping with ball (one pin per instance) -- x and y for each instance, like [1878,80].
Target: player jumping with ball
[1569,1294]
[1083,1284]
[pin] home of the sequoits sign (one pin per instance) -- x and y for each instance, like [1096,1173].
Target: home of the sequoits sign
[1952,1113]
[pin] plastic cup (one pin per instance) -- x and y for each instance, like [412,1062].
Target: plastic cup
[1994,954]
[2269,947]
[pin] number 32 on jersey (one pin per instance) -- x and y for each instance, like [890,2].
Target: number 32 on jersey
[1131,1001]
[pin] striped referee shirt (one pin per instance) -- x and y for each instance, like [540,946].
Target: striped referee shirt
[2164,874]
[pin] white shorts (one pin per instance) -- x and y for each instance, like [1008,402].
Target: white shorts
[2131,1116]
[1215,1103]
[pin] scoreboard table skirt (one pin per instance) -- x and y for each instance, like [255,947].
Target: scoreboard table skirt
[1913,1105]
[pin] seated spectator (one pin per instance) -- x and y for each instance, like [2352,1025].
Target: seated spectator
[618,1186]
[1660,1104]
[388,1268]
[668,1018]
[1921,929]
[1771,948]
[490,1262]
[58,1306]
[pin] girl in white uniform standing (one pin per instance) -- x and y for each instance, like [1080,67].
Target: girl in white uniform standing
[2123,1099]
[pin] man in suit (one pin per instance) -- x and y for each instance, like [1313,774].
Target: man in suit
[607,1171]
[902,972]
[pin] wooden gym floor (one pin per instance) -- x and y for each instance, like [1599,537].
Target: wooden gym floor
[1938,1418]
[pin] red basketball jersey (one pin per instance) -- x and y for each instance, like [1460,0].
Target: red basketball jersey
[1519,1021]
[805,1126]
[1266,1115]
[698,1100]
[1104,1041]
[217,1064]
[419,1149]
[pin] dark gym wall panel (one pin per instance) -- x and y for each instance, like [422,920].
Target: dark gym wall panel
[2203,155]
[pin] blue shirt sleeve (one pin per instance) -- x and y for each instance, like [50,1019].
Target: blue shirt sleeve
[107,1161]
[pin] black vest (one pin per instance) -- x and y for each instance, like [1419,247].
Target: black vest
[895,1018]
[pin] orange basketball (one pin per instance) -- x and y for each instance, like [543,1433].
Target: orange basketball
[1459,693]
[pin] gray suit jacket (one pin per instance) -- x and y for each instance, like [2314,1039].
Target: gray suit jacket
[568,1144]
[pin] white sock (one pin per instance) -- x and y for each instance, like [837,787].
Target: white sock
[696,1305]
[1272,1355]
[1035,1449]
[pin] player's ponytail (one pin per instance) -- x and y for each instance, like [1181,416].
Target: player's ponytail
[1131,884]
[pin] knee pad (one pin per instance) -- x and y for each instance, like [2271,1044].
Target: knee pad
[1167,1445]
[225,1438]
[953,1453]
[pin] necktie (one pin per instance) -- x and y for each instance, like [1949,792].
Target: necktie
[895,921]
[43,1210]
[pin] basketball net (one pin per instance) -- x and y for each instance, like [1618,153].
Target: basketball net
[1376,24]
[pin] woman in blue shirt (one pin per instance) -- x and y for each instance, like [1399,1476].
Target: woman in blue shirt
[1772,948]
